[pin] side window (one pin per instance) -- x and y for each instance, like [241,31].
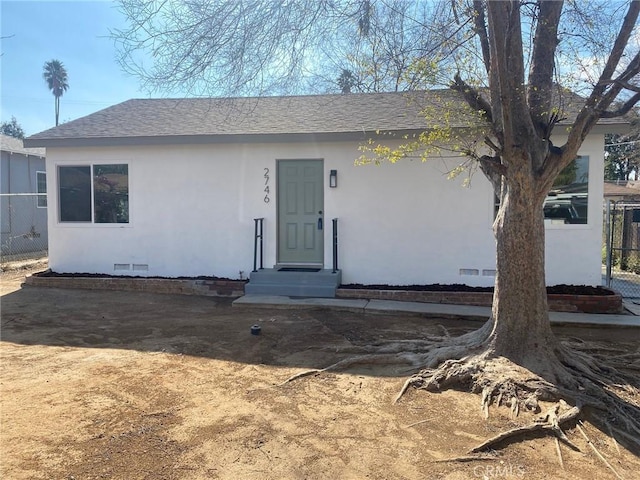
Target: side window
[98,193]
[568,199]
[111,193]
[74,184]
[41,189]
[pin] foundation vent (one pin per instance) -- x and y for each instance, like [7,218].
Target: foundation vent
[489,273]
[469,271]
[141,267]
[118,267]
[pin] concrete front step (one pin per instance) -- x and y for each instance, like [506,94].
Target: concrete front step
[321,284]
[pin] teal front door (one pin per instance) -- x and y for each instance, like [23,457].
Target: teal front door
[300,212]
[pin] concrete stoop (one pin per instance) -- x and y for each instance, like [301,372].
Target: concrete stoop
[294,283]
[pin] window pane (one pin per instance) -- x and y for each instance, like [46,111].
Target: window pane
[41,178]
[111,193]
[567,201]
[75,194]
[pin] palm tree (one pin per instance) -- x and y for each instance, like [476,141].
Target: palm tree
[56,77]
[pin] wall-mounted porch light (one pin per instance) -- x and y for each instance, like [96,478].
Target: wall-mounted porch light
[333,179]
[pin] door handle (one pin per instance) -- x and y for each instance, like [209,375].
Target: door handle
[320,223]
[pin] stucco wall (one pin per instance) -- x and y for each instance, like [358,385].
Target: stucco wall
[24,224]
[574,252]
[192,211]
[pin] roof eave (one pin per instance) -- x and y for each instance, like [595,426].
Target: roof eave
[209,139]
[598,129]
[24,152]
[31,142]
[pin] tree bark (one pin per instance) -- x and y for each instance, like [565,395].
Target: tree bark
[57,107]
[521,331]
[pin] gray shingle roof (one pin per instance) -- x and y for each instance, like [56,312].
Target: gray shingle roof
[15,145]
[142,121]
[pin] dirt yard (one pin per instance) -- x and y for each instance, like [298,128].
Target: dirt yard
[117,385]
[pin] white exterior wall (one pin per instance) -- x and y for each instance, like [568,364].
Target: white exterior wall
[574,252]
[192,210]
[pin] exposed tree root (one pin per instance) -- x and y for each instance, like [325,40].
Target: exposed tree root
[615,444]
[467,458]
[630,438]
[574,373]
[551,421]
[369,359]
[419,422]
[597,452]
[559,452]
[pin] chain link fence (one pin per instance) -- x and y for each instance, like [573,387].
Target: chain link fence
[24,227]
[621,254]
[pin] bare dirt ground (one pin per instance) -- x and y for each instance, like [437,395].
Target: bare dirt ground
[119,385]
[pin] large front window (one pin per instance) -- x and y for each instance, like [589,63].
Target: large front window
[568,199]
[94,193]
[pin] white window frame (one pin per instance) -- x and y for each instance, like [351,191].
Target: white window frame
[41,201]
[548,224]
[91,223]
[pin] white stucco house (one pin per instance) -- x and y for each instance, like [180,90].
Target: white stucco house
[172,187]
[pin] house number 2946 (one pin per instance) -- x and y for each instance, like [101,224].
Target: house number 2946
[266,186]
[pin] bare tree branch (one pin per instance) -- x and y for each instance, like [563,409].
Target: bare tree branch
[618,84]
[508,94]
[624,109]
[480,26]
[493,168]
[620,43]
[543,65]
[600,100]
[473,97]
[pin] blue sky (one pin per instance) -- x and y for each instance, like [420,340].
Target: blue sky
[74,32]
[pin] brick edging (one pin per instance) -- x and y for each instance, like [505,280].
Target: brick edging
[557,302]
[210,288]
[235,288]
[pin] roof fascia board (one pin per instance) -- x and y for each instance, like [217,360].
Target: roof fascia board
[613,128]
[212,139]
[617,128]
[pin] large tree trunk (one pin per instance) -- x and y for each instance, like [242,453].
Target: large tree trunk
[521,331]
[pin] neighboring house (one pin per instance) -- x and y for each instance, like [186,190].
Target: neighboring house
[622,211]
[171,187]
[23,213]
[622,191]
